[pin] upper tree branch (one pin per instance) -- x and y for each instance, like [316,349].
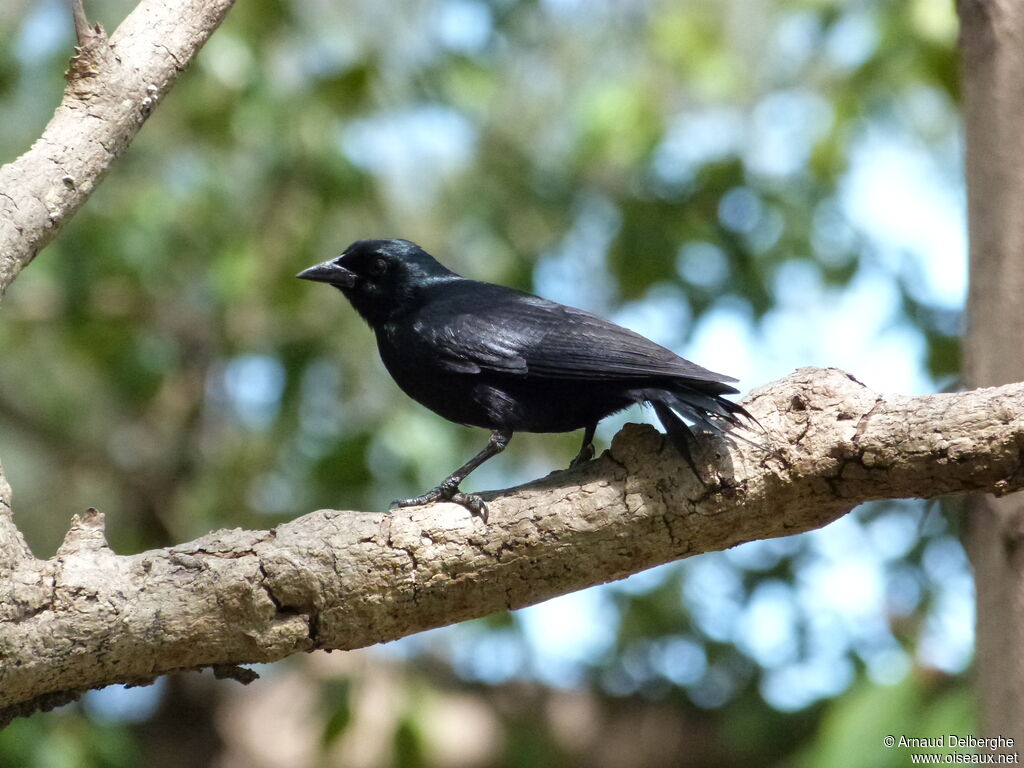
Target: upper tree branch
[113,86]
[333,579]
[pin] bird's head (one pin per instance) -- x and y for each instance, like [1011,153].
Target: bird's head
[380,277]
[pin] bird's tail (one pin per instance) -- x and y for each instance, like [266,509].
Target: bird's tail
[705,410]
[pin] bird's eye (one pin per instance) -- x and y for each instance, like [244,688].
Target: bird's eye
[378,267]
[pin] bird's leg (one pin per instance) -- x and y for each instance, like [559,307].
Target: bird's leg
[448,489]
[587,449]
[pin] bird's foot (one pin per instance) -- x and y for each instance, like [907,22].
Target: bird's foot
[446,492]
[472,502]
[586,454]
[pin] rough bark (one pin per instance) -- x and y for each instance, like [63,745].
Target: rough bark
[992,49]
[340,580]
[13,549]
[113,86]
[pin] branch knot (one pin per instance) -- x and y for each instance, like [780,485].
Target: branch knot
[92,52]
[87,534]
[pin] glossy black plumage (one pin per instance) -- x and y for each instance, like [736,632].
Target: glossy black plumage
[494,357]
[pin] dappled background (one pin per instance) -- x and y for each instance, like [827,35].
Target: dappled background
[757,185]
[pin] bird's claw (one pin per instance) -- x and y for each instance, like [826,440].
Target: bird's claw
[434,494]
[469,501]
[472,502]
[585,455]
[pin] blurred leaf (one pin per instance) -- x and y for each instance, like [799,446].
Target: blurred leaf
[336,699]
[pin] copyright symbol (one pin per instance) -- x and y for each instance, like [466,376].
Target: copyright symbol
[889,741]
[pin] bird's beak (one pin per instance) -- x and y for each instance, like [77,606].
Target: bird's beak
[329,272]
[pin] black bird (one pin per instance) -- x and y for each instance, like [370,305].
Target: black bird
[494,357]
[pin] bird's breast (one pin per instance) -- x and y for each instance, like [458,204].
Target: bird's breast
[424,377]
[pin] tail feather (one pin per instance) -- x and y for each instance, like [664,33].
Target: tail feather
[707,410]
[678,432]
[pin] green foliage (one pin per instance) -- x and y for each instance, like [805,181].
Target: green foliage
[335,697]
[67,741]
[161,364]
[852,734]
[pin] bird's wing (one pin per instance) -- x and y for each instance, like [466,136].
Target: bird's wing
[465,344]
[512,332]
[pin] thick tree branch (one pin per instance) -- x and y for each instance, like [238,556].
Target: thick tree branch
[112,88]
[331,579]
